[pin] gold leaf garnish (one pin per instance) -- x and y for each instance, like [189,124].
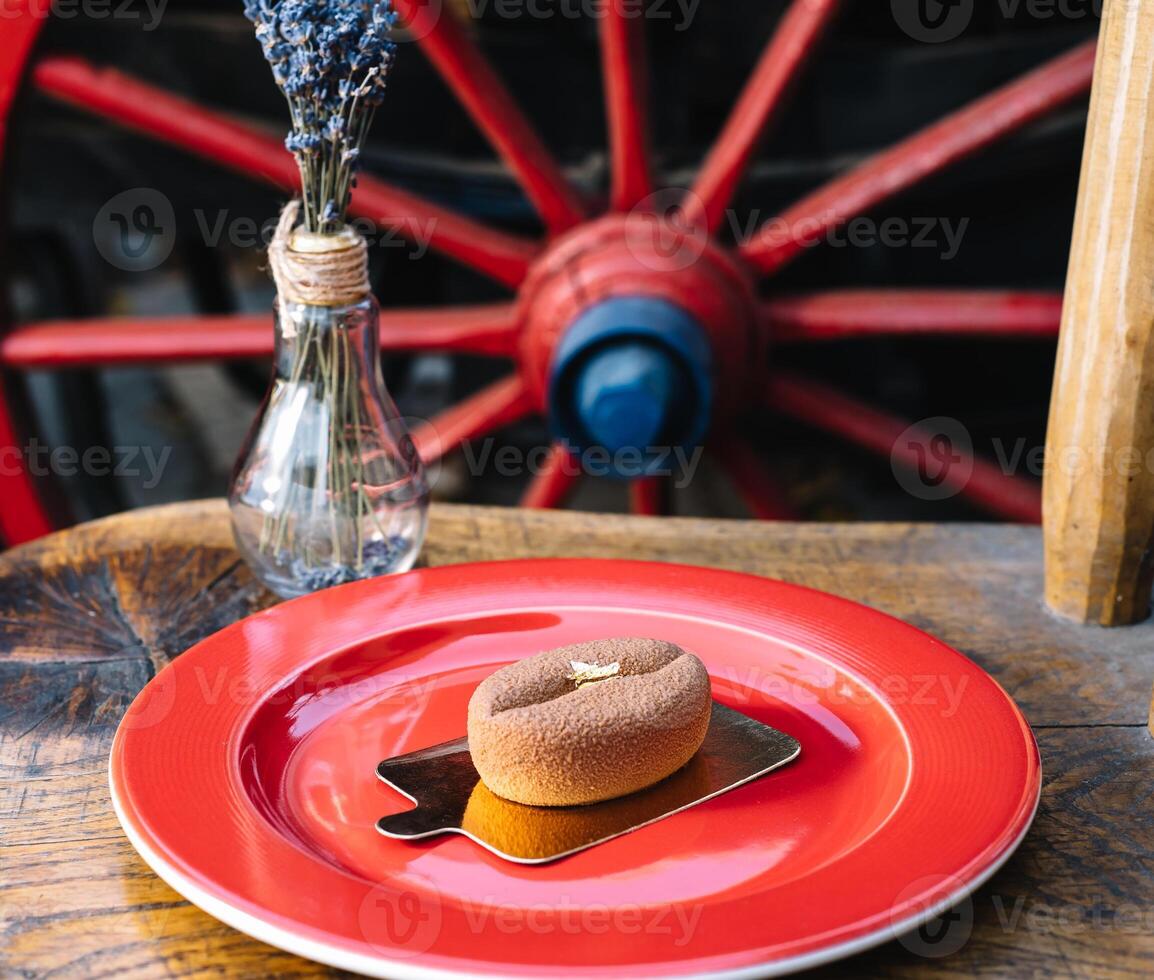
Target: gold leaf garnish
[584,673]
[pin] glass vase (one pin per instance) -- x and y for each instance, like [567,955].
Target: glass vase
[328,487]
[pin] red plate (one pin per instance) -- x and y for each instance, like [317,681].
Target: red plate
[244,774]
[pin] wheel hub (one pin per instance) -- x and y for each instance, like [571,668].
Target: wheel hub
[638,334]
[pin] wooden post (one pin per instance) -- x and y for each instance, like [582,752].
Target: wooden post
[1099,479]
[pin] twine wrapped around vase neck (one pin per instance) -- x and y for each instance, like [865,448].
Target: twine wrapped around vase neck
[318,270]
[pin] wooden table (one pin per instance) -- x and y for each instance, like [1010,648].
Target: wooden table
[89,615]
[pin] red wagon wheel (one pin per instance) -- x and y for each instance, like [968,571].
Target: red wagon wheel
[586,260]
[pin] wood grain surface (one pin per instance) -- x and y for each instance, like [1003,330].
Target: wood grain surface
[89,615]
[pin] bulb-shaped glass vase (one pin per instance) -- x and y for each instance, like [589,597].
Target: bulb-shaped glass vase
[328,487]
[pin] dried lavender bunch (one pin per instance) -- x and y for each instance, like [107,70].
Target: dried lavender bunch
[331,59]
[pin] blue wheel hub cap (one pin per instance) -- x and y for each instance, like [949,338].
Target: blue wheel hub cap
[632,376]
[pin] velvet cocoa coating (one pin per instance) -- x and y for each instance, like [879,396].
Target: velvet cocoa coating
[537,738]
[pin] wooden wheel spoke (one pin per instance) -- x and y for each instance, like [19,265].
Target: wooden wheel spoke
[554,481]
[478,88]
[488,329]
[896,312]
[754,483]
[19,36]
[624,65]
[23,515]
[933,149]
[121,340]
[171,119]
[787,53]
[822,407]
[649,496]
[500,404]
